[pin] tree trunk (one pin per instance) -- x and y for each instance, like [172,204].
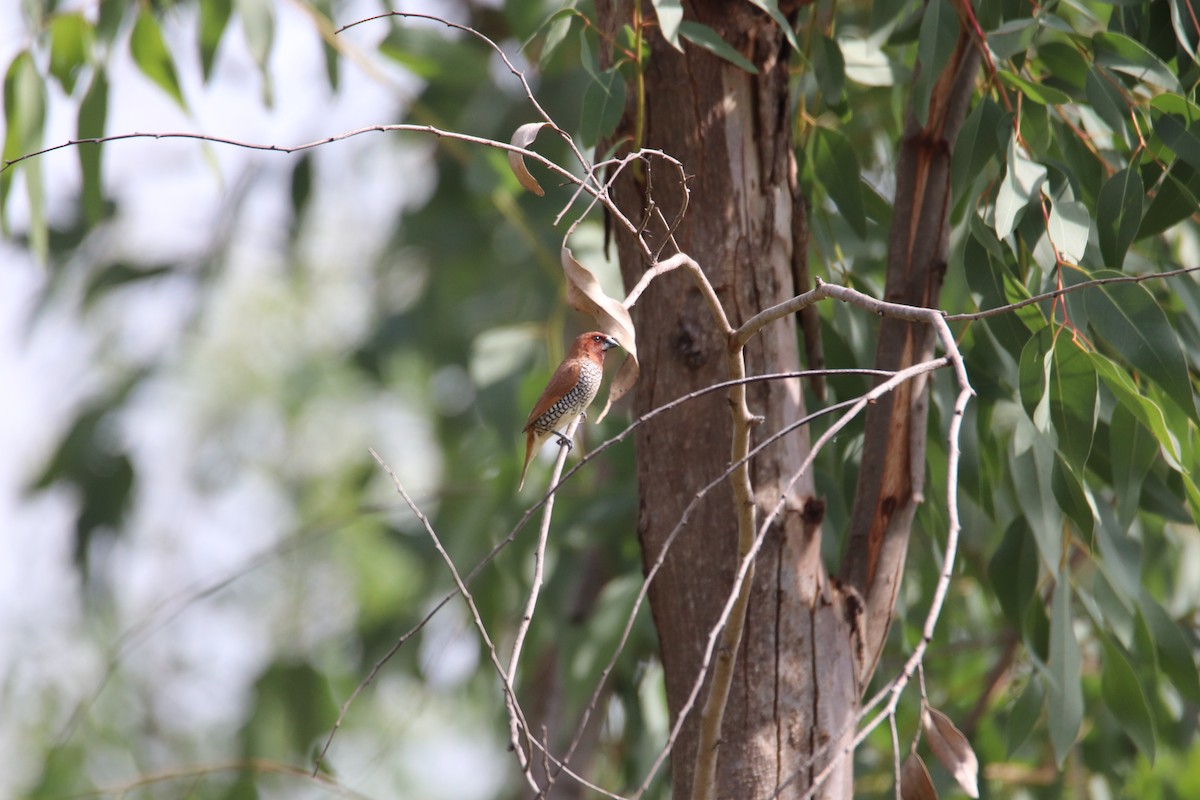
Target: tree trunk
[797,679]
[732,132]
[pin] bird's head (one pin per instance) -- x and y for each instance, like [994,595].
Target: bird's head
[594,344]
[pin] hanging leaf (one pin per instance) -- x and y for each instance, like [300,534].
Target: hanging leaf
[1132,451]
[603,104]
[524,137]
[1125,699]
[93,117]
[830,68]
[915,783]
[670,15]
[71,41]
[152,57]
[25,119]
[258,28]
[1118,215]
[1013,570]
[1024,715]
[1070,224]
[1122,54]
[1064,695]
[977,145]
[772,9]
[1128,318]
[1073,392]
[705,37]
[952,749]
[214,17]
[1022,181]
[1146,410]
[836,166]
[585,295]
[1177,656]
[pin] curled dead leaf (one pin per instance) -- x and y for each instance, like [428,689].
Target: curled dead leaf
[915,783]
[585,295]
[523,138]
[951,748]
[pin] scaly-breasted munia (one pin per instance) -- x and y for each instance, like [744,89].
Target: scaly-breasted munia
[571,389]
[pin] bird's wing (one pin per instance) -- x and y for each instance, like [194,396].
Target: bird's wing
[562,381]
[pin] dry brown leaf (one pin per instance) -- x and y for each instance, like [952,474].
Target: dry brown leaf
[523,138]
[585,296]
[952,749]
[915,783]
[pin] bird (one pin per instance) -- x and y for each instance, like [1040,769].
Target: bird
[571,389]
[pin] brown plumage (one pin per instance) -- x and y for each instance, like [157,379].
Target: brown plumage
[571,389]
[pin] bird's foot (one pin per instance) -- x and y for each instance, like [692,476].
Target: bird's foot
[564,441]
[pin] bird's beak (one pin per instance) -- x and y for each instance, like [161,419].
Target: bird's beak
[609,343]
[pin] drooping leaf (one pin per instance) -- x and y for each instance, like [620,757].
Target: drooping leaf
[25,119]
[1118,215]
[1146,410]
[1024,715]
[772,9]
[1176,136]
[830,68]
[1122,54]
[1132,451]
[1176,655]
[1013,571]
[939,35]
[670,16]
[976,146]
[1106,99]
[1022,181]
[1064,695]
[523,137]
[836,166]
[214,17]
[952,749]
[258,28]
[603,103]
[152,57]
[1033,478]
[71,38]
[1073,392]
[1127,317]
[705,37]
[585,295]
[915,783]
[1069,227]
[93,116]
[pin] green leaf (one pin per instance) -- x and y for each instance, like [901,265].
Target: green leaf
[1119,556]
[1069,227]
[772,9]
[836,167]
[1127,317]
[25,119]
[1072,498]
[214,17]
[1175,653]
[1013,571]
[705,37]
[1176,136]
[1146,410]
[670,18]
[830,68]
[1022,181]
[1064,695]
[1024,715]
[258,28]
[1122,54]
[990,274]
[93,116]
[1033,478]
[1073,389]
[1034,378]
[557,27]
[71,38]
[1125,699]
[603,103]
[939,35]
[1119,214]
[1132,451]
[1108,102]
[152,57]
[976,146]
[1042,95]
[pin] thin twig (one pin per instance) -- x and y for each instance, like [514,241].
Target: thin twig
[514,708]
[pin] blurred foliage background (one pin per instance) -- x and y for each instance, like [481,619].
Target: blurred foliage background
[199,343]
